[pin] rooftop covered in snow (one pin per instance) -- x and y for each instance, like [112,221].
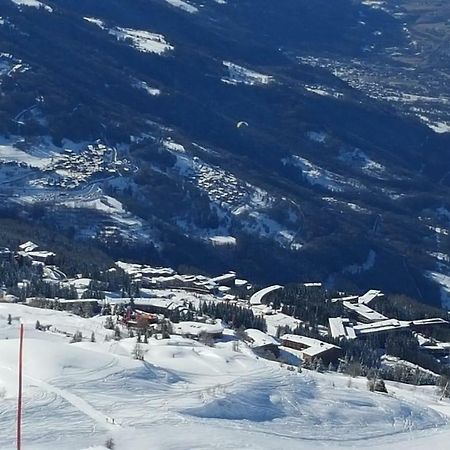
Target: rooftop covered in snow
[260,339]
[309,346]
[364,312]
[197,328]
[257,298]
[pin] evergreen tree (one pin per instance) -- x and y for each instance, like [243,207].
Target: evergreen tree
[109,444]
[77,337]
[109,324]
[318,365]
[165,329]
[444,386]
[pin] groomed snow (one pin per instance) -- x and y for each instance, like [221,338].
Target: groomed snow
[186,395]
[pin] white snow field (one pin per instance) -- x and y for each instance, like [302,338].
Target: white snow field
[238,74]
[185,6]
[142,40]
[33,4]
[186,395]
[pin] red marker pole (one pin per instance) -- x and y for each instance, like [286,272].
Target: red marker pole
[19,399]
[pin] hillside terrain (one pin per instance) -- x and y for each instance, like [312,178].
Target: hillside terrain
[290,141]
[187,395]
[120,356]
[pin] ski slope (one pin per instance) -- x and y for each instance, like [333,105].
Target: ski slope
[186,395]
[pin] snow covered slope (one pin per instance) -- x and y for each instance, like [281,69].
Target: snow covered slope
[186,395]
[284,144]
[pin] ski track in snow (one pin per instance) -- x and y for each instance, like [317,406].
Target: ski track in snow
[79,403]
[185,395]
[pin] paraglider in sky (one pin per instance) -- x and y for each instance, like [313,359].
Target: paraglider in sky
[242,124]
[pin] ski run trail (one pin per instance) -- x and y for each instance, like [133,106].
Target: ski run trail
[185,395]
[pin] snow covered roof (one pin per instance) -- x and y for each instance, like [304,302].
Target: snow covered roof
[318,350]
[337,327]
[133,269]
[68,300]
[197,328]
[369,296]
[313,347]
[262,309]
[239,282]
[223,240]
[394,324]
[80,283]
[348,298]
[10,298]
[28,246]
[423,340]
[224,288]
[231,276]
[433,321]
[36,255]
[256,298]
[40,254]
[160,279]
[260,339]
[341,327]
[364,311]
[163,303]
[158,302]
[381,326]
[128,267]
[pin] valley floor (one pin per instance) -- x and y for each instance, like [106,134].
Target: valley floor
[186,395]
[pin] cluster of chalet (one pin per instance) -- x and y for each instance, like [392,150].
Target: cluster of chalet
[70,169]
[154,305]
[139,320]
[221,187]
[307,348]
[227,285]
[29,251]
[165,293]
[363,321]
